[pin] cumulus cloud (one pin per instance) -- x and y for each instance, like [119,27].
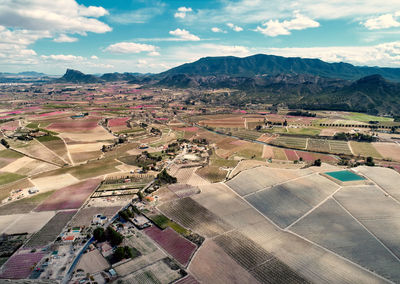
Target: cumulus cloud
[184,35]
[182,11]
[131,47]
[256,11]
[22,23]
[52,15]
[274,27]
[65,38]
[217,30]
[94,57]
[383,22]
[62,57]
[385,54]
[234,27]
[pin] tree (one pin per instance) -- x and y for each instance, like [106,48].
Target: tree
[317,163]
[370,162]
[99,234]
[119,253]
[4,143]
[114,237]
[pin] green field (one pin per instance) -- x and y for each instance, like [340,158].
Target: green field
[9,154]
[88,170]
[310,131]
[33,125]
[9,177]
[163,222]
[364,149]
[362,117]
[48,138]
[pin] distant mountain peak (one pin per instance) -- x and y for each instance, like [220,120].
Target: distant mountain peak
[75,76]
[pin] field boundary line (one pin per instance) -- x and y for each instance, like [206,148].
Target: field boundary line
[280,183]
[383,190]
[315,244]
[248,203]
[35,158]
[365,228]
[342,257]
[62,159]
[68,152]
[314,208]
[351,148]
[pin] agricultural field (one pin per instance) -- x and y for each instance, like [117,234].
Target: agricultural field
[24,223]
[362,117]
[339,147]
[364,149]
[20,264]
[372,208]
[332,227]
[37,150]
[211,264]
[178,247]
[6,178]
[190,214]
[300,196]
[385,178]
[24,205]
[51,230]
[290,142]
[70,197]
[318,145]
[256,179]
[389,151]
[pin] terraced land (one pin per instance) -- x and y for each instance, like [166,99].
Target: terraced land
[318,145]
[287,202]
[339,147]
[333,228]
[190,214]
[290,142]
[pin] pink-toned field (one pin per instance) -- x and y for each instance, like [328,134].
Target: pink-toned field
[310,157]
[70,197]
[235,122]
[178,247]
[388,150]
[74,125]
[11,126]
[291,155]
[20,265]
[51,113]
[117,121]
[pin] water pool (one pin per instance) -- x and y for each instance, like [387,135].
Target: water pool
[345,176]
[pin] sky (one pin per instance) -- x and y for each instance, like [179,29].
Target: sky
[151,36]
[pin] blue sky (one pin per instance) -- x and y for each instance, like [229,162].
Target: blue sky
[154,35]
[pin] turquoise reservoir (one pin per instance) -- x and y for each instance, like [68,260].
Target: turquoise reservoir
[345,176]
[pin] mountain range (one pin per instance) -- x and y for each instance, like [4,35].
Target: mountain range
[296,82]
